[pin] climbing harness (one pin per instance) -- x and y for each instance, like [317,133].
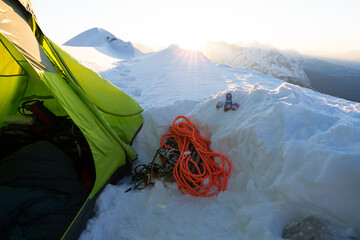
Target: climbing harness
[184,156]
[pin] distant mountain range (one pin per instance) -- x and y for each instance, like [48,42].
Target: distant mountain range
[264,59]
[337,78]
[333,77]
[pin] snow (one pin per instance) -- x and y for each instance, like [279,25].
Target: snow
[294,152]
[104,42]
[90,57]
[262,58]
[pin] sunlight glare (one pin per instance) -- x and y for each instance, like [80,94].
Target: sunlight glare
[191,44]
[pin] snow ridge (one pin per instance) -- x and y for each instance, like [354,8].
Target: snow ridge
[265,59]
[104,42]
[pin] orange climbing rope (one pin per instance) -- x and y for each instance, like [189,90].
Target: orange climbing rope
[204,177]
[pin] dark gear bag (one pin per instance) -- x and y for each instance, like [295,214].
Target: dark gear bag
[45,122]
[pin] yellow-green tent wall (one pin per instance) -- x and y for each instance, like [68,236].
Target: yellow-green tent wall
[33,67]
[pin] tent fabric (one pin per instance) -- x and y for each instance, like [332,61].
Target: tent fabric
[13,80]
[98,88]
[27,5]
[15,27]
[120,111]
[33,67]
[103,141]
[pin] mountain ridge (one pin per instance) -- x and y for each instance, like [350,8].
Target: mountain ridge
[104,42]
[264,59]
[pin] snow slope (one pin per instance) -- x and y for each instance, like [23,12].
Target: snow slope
[295,153]
[265,59]
[104,42]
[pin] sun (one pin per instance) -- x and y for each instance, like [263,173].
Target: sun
[191,44]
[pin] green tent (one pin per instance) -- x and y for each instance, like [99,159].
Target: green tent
[34,67]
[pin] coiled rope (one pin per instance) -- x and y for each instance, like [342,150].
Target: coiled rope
[198,170]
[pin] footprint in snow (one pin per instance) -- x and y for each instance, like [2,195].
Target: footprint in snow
[129,78]
[136,92]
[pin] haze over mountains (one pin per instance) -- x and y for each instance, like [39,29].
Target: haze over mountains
[340,79]
[333,77]
[258,57]
[336,78]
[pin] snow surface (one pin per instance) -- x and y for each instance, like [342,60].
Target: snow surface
[104,42]
[262,58]
[91,57]
[294,152]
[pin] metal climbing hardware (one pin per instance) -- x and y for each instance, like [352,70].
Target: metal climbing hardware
[184,156]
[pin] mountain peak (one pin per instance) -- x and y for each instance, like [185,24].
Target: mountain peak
[90,38]
[104,42]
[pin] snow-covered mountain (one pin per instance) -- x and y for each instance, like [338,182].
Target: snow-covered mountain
[143,48]
[174,69]
[265,59]
[294,152]
[105,42]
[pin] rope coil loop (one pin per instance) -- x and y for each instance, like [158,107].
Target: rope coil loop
[198,173]
[185,157]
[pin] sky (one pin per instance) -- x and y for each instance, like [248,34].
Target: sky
[308,26]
